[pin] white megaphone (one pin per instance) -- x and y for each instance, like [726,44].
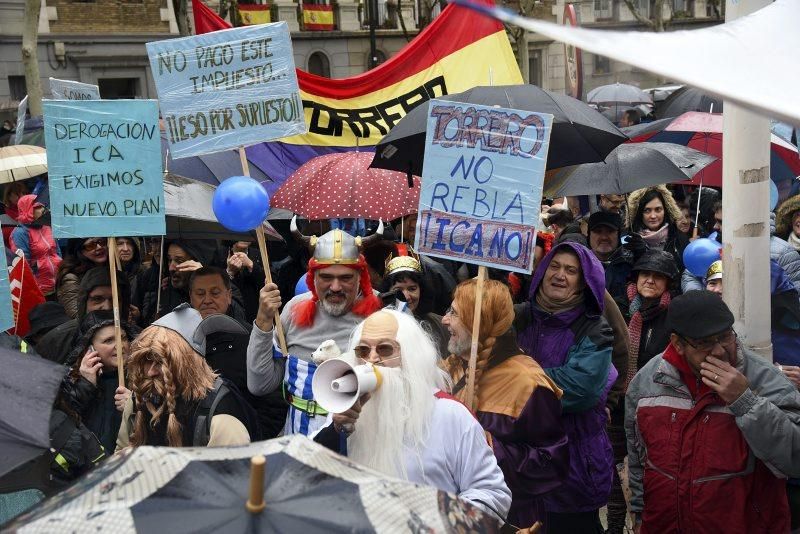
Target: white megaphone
[337,384]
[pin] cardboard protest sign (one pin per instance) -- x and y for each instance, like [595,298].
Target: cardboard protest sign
[6,309]
[482,184]
[22,110]
[105,173]
[69,90]
[227,89]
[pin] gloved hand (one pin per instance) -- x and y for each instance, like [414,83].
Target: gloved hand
[637,245]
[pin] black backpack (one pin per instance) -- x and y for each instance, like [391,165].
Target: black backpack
[207,408]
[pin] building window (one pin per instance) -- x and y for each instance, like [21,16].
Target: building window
[603,9]
[16,87]
[643,6]
[602,65]
[319,64]
[117,88]
[535,67]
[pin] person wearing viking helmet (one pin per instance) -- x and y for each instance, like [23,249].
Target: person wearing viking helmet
[340,297]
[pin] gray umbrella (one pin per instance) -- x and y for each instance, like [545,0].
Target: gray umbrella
[618,93]
[629,167]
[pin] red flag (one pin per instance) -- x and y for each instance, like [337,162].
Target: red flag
[205,20]
[25,295]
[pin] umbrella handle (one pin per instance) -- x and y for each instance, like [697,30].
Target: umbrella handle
[255,503]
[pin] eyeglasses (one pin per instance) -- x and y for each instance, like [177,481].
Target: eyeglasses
[708,344]
[94,244]
[451,312]
[386,351]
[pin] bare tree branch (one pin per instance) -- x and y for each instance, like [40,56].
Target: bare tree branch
[638,16]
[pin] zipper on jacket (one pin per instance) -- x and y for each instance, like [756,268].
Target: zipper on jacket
[647,341]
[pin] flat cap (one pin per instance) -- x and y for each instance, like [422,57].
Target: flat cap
[698,314]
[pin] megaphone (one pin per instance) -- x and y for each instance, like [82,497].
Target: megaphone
[337,384]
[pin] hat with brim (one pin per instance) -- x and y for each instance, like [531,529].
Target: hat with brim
[714,271]
[657,261]
[698,315]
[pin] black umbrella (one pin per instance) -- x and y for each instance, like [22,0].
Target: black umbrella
[629,167]
[688,99]
[580,134]
[308,489]
[28,387]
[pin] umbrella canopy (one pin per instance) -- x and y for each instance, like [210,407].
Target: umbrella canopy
[343,185]
[618,93]
[580,134]
[629,167]
[28,388]
[20,162]
[703,131]
[688,99]
[308,489]
[190,216]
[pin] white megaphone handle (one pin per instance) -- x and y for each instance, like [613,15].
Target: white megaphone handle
[346,384]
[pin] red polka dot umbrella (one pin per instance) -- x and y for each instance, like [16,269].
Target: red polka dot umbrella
[343,185]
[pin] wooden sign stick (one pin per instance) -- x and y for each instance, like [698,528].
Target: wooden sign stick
[112,265]
[476,326]
[262,248]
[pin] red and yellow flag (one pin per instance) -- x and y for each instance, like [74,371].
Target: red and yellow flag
[252,14]
[459,50]
[317,17]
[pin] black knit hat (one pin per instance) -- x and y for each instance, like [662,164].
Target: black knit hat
[657,261]
[46,316]
[605,218]
[698,314]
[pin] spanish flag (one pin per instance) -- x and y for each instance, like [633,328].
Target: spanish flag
[251,14]
[317,17]
[459,50]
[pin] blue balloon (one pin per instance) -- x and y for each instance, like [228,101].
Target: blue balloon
[240,203]
[773,195]
[700,254]
[301,286]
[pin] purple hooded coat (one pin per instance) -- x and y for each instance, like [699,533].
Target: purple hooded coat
[574,348]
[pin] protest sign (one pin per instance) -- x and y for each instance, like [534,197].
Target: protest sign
[69,90]
[6,309]
[482,184]
[22,110]
[227,89]
[105,173]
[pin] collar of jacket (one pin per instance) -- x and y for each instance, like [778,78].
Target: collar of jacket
[667,374]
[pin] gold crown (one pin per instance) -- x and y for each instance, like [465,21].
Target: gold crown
[402,263]
[714,271]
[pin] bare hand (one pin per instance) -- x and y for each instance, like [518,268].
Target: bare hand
[188,266]
[91,366]
[346,422]
[269,302]
[121,398]
[723,378]
[792,373]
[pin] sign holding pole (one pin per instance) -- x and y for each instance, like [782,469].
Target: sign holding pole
[105,179]
[481,192]
[227,89]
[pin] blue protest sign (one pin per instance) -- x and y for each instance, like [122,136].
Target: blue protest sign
[22,110]
[227,89]
[104,167]
[6,308]
[482,184]
[69,90]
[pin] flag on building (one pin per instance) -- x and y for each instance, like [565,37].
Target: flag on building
[317,17]
[25,294]
[459,50]
[252,14]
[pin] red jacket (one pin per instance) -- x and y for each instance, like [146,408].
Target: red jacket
[692,466]
[38,245]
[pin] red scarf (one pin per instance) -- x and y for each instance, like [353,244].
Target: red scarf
[696,386]
[635,327]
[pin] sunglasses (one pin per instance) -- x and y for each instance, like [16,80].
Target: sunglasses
[94,244]
[385,351]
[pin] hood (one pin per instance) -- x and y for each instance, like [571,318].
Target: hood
[593,273]
[87,328]
[137,250]
[100,276]
[25,207]
[634,198]
[783,217]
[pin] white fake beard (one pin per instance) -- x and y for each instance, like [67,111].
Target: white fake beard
[395,417]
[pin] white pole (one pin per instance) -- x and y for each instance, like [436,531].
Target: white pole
[745,212]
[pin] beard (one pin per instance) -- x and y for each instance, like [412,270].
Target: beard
[392,423]
[150,394]
[335,310]
[458,346]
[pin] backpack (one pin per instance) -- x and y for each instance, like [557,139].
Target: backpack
[208,406]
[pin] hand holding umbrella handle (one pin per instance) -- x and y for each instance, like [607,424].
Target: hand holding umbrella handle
[255,503]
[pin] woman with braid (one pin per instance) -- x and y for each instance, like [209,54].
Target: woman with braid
[176,399]
[516,403]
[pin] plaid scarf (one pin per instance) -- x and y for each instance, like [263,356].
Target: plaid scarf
[638,316]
